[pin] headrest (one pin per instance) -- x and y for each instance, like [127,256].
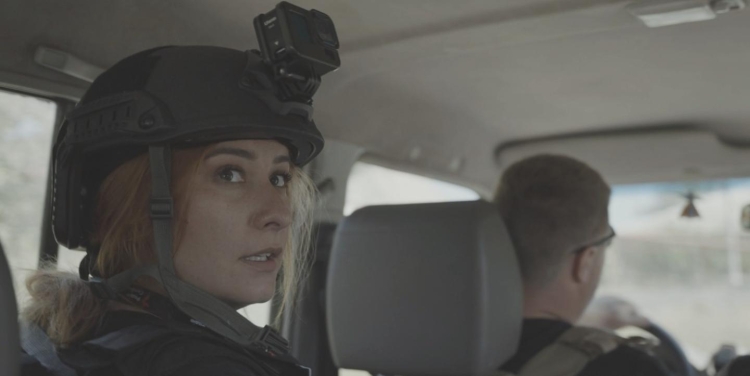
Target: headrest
[427,289]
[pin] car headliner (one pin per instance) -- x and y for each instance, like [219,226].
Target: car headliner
[460,89]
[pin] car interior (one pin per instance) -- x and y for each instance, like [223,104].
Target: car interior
[433,101]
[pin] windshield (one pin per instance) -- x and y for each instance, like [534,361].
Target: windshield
[687,274]
[371,184]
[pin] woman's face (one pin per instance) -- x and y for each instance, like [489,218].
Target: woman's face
[237,221]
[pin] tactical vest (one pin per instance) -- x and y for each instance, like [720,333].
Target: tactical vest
[572,352]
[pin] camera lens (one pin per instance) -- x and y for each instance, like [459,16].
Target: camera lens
[325,29]
[299,27]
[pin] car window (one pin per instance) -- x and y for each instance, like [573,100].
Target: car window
[370,184]
[683,271]
[26,129]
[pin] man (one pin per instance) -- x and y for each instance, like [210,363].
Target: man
[556,211]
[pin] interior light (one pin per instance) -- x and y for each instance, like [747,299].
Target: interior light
[65,62]
[658,13]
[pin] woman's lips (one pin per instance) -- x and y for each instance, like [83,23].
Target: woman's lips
[266,260]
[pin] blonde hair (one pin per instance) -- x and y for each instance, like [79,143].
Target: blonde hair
[64,306]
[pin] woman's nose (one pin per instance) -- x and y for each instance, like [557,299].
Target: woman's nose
[274,213]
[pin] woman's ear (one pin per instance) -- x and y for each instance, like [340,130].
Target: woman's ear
[584,265]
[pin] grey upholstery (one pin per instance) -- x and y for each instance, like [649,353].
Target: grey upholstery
[9,343]
[428,289]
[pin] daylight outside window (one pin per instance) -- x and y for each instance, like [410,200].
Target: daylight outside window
[370,184]
[26,128]
[688,275]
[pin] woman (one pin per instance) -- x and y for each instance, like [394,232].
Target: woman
[193,156]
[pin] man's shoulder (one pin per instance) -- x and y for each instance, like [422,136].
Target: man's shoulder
[625,360]
[542,340]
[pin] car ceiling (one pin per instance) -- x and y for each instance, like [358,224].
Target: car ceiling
[444,87]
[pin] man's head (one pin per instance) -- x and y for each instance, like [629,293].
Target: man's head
[556,210]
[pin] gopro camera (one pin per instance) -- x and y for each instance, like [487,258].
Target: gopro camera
[294,41]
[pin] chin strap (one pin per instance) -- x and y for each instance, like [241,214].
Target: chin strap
[201,306]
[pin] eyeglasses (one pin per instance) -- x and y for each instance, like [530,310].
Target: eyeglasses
[606,241]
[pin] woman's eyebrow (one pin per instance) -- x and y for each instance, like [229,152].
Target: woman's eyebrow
[247,154]
[282,159]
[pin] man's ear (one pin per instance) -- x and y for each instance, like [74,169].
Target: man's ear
[584,264]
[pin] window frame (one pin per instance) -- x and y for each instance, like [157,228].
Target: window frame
[48,247]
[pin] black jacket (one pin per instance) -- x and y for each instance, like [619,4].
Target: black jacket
[537,334]
[167,349]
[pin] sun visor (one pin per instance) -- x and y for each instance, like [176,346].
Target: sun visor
[427,289]
[642,156]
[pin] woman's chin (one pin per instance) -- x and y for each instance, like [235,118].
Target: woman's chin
[254,297]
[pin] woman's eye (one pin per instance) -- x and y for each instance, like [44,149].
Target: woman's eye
[280,180]
[231,175]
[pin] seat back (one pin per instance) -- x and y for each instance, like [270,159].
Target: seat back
[427,289]
[10,343]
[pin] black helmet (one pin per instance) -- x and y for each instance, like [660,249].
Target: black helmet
[168,96]
[152,101]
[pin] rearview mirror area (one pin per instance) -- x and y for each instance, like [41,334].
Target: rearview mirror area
[745,218]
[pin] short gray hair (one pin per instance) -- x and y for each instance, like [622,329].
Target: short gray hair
[551,204]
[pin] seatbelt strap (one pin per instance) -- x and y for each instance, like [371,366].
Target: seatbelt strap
[570,353]
[36,343]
